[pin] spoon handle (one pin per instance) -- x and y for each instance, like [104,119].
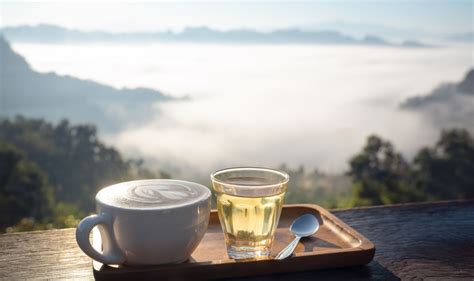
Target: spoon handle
[286,252]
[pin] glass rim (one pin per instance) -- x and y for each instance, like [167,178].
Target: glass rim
[285,176]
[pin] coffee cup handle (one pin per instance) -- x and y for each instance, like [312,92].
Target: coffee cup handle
[111,252]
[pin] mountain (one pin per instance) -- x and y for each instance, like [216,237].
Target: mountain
[444,92]
[467,37]
[466,86]
[359,29]
[51,96]
[448,105]
[45,33]
[414,44]
[373,40]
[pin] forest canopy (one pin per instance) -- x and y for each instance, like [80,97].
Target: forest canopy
[49,170]
[50,173]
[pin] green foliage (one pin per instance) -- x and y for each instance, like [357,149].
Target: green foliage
[330,191]
[77,163]
[381,175]
[49,174]
[24,188]
[63,216]
[49,177]
[446,171]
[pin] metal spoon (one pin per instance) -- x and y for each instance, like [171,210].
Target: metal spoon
[304,226]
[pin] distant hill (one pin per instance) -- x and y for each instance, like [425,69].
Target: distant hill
[444,93]
[467,37]
[45,33]
[414,44]
[448,105]
[51,96]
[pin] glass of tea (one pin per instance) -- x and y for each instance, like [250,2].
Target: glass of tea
[249,203]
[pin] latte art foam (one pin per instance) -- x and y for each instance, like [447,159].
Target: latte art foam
[152,193]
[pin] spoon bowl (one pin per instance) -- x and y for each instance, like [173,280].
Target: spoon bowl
[304,226]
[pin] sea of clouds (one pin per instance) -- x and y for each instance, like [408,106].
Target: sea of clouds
[265,105]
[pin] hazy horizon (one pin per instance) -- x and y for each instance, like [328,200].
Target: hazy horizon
[414,18]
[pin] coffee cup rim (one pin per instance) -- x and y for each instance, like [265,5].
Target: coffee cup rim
[192,202]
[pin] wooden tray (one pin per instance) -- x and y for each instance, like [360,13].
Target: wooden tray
[334,245]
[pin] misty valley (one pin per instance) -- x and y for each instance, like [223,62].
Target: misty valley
[346,136]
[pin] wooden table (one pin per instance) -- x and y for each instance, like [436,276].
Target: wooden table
[429,241]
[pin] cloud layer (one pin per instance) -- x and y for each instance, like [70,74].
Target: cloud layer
[266,105]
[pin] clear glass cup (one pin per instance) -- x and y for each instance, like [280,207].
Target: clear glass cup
[249,203]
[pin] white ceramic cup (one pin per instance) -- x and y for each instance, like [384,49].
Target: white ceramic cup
[147,222]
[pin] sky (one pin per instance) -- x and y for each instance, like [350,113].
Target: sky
[433,16]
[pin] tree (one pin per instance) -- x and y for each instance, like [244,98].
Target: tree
[381,175]
[446,171]
[76,161]
[24,188]
[316,187]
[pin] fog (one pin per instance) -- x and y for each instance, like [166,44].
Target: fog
[264,105]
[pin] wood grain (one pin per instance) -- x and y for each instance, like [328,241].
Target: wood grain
[414,242]
[51,254]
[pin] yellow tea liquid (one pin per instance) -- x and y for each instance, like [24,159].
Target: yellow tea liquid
[249,222]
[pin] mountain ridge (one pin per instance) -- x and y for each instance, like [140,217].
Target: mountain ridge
[47,33]
[447,105]
[443,91]
[54,97]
